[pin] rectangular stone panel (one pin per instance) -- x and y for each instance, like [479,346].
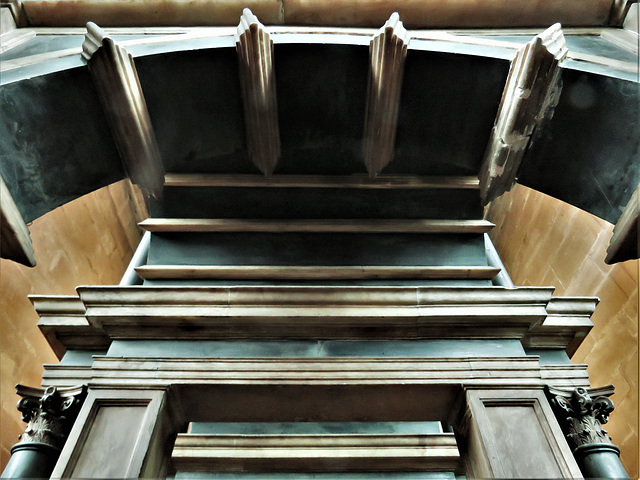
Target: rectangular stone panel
[516,433]
[109,447]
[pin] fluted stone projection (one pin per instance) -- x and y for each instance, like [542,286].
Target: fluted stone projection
[581,413]
[530,95]
[258,83]
[625,241]
[619,11]
[49,414]
[115,77]
[15,240]
[387,54]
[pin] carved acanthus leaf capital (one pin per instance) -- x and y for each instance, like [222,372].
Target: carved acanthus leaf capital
[581,413]
[49,413]
[116,80]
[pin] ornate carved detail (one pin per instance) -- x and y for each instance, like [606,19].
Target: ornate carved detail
[115,77]
[530,95]
[387,54]
[258,83]
[15,239]
[581,413]
[49,413]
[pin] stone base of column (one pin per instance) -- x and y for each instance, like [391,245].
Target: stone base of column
[31,460]
[600,460]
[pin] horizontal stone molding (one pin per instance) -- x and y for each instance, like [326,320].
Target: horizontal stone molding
[64,324]
[326,452]
[158,372]
[315,272]
[314,312]
[418,14]
[315,225]
[320,181]
[94,296]
[102,314]
[565,376]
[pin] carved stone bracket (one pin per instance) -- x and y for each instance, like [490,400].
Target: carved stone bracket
[387,54]
[115,77]
[258,83]
[15,239]
[581,413]
[49,413]
[625,241]
[530,95]
[619,11]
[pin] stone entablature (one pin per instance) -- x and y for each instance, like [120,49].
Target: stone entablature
[101,314]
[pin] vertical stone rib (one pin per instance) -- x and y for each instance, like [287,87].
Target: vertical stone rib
[625,242]
[116,79]
[15,240]
[258,84]
[387,54]
[530,95]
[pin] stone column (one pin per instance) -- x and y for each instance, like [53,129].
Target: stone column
[49,414]
[581,413]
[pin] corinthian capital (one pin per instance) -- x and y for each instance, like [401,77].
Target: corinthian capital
[49,413]
[581,413]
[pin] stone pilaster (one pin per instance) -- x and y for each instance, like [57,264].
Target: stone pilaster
[49,414]
[581,413]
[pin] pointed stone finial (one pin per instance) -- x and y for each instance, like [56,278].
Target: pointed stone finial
[530,95]
[258,82]
[115,77]
[387,54]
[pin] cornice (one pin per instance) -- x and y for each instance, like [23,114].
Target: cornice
[103,313]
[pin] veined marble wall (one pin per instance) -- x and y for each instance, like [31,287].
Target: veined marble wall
[543,241]
[87,241]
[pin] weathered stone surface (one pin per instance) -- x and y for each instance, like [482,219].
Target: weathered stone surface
[258,82]
[49,412]
[531,93]
[114,75]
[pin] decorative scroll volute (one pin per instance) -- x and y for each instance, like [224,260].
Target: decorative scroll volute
[116,79]
[49,413]
[387,54]
[581,414]
[258,83]
[530,95]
